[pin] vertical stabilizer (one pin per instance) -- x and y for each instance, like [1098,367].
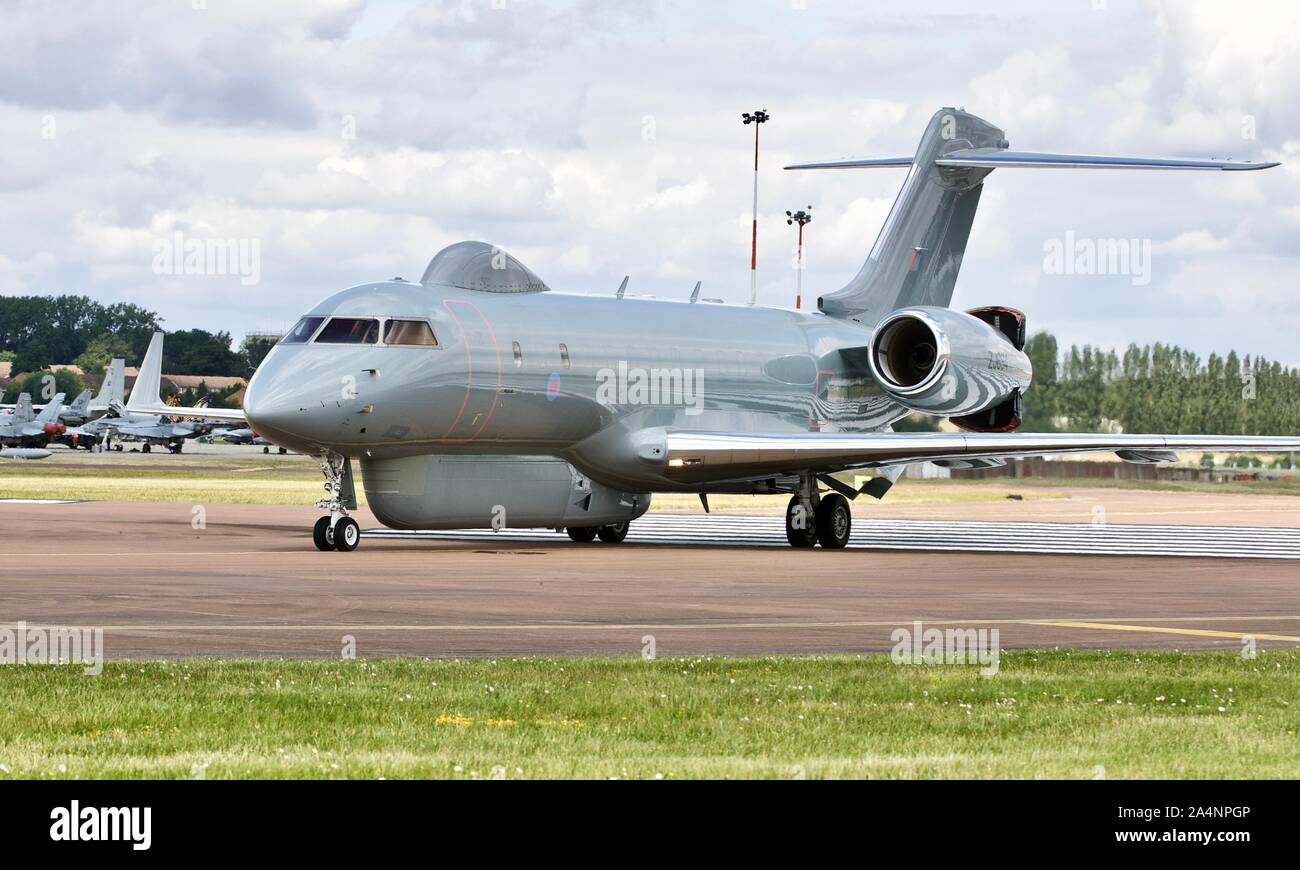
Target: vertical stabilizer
[916,257]
[113,387]
[147,390]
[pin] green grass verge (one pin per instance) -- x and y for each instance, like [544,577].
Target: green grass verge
[1047,714]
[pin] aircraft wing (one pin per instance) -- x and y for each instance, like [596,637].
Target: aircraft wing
[228,414]
[698,457]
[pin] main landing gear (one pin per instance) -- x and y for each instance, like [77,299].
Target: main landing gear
[611,534]
[338,531]
[811,518]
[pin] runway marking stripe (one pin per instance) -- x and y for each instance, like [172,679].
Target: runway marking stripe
[1099,624]
[1152,629]
[936,535]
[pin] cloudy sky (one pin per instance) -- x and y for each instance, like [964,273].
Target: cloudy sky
[351,140]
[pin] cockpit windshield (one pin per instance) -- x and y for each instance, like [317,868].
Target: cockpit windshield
[302,331]
[409,332]
[349,330]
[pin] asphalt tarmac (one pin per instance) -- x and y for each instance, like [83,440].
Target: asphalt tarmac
[250,583]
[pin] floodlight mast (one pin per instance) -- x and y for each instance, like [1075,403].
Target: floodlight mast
[757,117]
[801,217]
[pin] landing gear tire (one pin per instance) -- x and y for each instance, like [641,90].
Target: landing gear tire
[834,521]
[322,534]
[613,534]
[582,534]
[146,448]
[347,534]
[800,525]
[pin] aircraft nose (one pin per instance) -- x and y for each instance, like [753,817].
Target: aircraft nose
[284,403]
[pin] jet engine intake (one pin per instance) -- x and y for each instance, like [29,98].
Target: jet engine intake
[946,363]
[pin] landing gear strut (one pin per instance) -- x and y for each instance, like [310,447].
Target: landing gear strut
[338,531]
[812,518]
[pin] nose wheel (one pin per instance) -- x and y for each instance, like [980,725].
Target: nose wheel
[342,534]
[338,531]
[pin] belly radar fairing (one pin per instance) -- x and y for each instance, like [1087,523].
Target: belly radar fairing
[481,397]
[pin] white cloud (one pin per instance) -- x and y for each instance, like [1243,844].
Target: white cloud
[598,139]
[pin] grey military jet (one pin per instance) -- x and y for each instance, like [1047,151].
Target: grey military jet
[480,397]
[23,428]
[120,425]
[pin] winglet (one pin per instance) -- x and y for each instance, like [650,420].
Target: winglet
[622,288]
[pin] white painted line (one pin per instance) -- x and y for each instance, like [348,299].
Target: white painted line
[1222,542]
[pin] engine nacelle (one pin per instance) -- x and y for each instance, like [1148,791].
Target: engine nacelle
[946,363]
[484,492]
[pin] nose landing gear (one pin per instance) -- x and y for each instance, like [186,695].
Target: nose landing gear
[338,531]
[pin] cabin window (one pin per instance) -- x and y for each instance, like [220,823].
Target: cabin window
[302,331]
[409,332]
[564,355]
[349,330]
[519,354]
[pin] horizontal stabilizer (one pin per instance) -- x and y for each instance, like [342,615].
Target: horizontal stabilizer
[997,159]
[980,158]
[872,163]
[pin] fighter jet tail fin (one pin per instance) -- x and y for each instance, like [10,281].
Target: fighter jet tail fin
[50,412]
[916,257]
[147,391]
[113,387]
[23,408]
[80,404]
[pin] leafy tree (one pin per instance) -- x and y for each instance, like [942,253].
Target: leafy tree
[199,352]
[31,357]
[97,355]
[41,388]
[253,349]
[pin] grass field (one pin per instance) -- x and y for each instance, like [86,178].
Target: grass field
[1047,714]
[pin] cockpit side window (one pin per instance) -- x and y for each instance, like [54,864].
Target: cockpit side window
[349,330]
[410,333]
[302,330]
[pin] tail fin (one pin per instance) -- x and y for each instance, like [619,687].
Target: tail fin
[113,387]
[80,404]
[147,391]
[916,257]
[50,413]
[23,408]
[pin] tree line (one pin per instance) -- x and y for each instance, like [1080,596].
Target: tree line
[1158,388]
[39,331]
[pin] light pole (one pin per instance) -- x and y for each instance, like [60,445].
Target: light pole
[757,117]
[800,217]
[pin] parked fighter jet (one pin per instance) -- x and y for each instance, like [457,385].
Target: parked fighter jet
[121,425]
[22,428]
[244,435]
[481,397]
